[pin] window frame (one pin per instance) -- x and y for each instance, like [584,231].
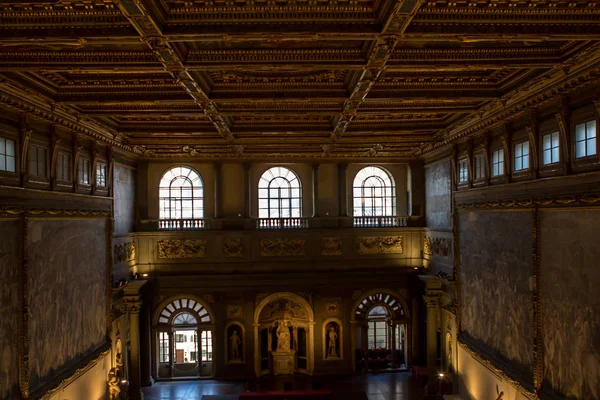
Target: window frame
[522,159]
[463,171]
[585,140]
[83,170]
[550,149]
[171,207]
[5,156]
[60,155]
[500,164]
[37,150]
[101,172]
[359,202]
[206,344]
[265,184]
[477,167]
[375,329]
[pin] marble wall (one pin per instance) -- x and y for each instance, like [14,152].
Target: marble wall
[67,294]
[9,309]
[571,304]
[438,179]
[496,299]
[124,198]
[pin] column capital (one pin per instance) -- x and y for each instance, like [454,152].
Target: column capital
[431,301]
[133,306]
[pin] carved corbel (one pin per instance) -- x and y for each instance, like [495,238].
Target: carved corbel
[562,118]
[506,143]
[55,141]
[532,132]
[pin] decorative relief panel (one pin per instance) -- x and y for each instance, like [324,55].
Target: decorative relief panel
[281,247]
[436,246]
[233,248]
[181,248]
[124,252]
[331,246]
[332,308]
[234,311]
[379,245]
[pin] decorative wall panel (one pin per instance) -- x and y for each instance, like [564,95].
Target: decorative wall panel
[281,247]
[379,245]
[181,248]
[331,246]
[9,309]
[124,195]
[438,179]
[67,294]
[571,304]
[124,252]
[496,300]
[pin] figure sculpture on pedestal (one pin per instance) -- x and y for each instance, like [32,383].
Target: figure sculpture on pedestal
[283,336]
[234,345]
[332,345]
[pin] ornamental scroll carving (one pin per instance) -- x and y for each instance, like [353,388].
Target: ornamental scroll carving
[124,252]
[233,248]
[181,248]
[379,245]
[281,247]
[331,246]
[441,247]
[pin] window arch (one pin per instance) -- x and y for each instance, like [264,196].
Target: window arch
[374,193]
[279,194]
[181,194]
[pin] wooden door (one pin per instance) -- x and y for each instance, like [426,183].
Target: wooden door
[179,355]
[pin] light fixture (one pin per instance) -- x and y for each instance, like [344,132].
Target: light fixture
[145,275]
[441,375]
[123,381]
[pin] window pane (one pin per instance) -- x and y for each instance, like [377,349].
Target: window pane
[525,162]
[547,157]
[546,142]
[518,150]
[580,132]
[591,146]
[555,139]
[555,155]
[2,146]
[580,149]
[591,129]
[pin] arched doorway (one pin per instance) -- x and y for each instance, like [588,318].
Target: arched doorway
[183,339]
[283,335]
[381,332]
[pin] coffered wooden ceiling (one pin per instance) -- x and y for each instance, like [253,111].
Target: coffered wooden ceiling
[293,78]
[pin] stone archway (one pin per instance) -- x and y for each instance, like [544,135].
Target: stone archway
[395,314]
[284,335]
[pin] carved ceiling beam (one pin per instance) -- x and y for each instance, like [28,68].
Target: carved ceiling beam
[150,31]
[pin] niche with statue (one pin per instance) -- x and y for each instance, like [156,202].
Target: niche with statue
[235,343]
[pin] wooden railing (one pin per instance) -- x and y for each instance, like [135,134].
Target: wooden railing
[379,222]
[281,223]
[181,224]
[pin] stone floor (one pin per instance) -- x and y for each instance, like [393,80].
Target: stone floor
[383,386]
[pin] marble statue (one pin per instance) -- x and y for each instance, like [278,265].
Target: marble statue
[332,345]
[234,345]
[283,336]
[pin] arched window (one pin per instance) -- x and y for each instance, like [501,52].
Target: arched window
[181,194]
[279,194]
[374,193]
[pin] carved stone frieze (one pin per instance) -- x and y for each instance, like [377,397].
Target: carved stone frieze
[437,246]
[281,247]
[379,245]
[233,248]
[124,252]
[181,248]
[331,246]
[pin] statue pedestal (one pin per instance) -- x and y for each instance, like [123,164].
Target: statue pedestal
[283,362]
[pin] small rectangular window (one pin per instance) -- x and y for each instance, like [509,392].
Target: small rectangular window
[550,148]
[498,163]
[479,167]
[163,347]
[463,171]
[101,174]
[84,171]
[63,166]
[37,161]
[521,156]
[7,155]
[585,139]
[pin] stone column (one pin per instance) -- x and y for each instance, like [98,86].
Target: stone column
[315,192]
[135,377]
[146,342]
[246,190]
[217,167]
[342,193]
[393,345]
[431,303]
[311,347]
[171,354]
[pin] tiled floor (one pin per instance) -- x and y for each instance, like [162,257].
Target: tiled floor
[384,386]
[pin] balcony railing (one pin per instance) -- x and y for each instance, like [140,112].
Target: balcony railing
[379,222]
[281,223]
[181,224]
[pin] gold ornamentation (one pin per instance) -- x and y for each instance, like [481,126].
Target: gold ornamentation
[427,246]
[542,202]
[233,248]
[379,245]
[281,247]
[332,308]
[181,248]
[331,246]
[234,311]
[124,252]
[8,211]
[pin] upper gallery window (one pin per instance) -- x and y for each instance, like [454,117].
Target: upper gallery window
[463,172]
[585,139]
[498,163]
[479,167]
[550,148]
[63,166]
[101,174]
[279,194]
[181,194]
[374,193]
[84,171]
[521,156]
[7,155]
[37,161]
